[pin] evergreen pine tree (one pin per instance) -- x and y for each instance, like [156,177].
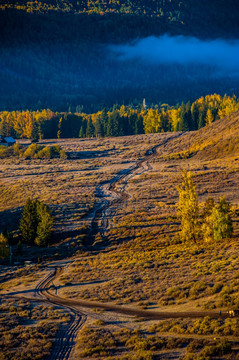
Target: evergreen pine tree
[90,130]
[99,127]
[139,125]
[114,126]
[44,226]
[28,222]
[194,116]
[104,120]
[183,125]
[81,132]
[202,117]
[35,132]
[36,223]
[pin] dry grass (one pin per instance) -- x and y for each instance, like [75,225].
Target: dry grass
[27,331]
[104,341]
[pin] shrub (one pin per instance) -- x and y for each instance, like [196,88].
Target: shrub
[4,151]
[63,154]
[45,153]
[31,151]
[17,149]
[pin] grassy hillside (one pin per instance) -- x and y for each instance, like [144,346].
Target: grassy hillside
[218,140]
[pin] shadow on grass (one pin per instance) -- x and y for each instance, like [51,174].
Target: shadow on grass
[88,154]
[9,219]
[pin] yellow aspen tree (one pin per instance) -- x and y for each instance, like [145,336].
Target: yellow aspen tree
[28,125]
[188,209]
[209,117]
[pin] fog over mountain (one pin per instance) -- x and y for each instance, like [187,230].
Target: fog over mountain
[221,55]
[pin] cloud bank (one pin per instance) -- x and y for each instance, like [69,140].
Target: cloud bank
[220,54]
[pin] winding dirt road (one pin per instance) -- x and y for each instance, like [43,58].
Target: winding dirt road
[112,197]
[45,292]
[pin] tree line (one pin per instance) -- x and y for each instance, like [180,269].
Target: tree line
[118,121]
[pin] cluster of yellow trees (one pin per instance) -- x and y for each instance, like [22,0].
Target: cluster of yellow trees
[22,123]
[125,120]
[213,223]
[193,116]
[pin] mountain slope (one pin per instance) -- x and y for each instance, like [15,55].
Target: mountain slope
[214,15]
[60,52]
[218,140]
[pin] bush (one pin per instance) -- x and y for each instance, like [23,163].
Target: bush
[63,154]
[31,151]
[17,149]
[4,151]
[45,153]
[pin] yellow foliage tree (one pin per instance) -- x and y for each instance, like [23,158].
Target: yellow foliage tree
[188,209]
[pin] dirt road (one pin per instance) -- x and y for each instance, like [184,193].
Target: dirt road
[65,340]
[112,198]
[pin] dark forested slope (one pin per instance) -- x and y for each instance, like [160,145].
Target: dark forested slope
[57,53]
[205,18]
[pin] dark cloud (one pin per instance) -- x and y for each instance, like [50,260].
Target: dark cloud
[223,55]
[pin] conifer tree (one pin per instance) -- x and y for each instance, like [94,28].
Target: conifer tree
[35,132]
[104,120]
[188,209]
[36,223]
[81,132]
[90,130]
[28,223]
[44,226]
[194,116]
[99,127]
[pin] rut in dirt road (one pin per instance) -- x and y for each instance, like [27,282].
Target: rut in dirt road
[99,222]
[66,336]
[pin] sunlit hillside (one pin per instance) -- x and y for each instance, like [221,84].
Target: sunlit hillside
[217,140]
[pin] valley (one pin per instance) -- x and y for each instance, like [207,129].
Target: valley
[124,284]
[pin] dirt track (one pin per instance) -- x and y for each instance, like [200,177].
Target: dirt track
[65,340]
[99,222]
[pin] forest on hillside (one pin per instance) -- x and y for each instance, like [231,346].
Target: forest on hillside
[60,59]
[175,11]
